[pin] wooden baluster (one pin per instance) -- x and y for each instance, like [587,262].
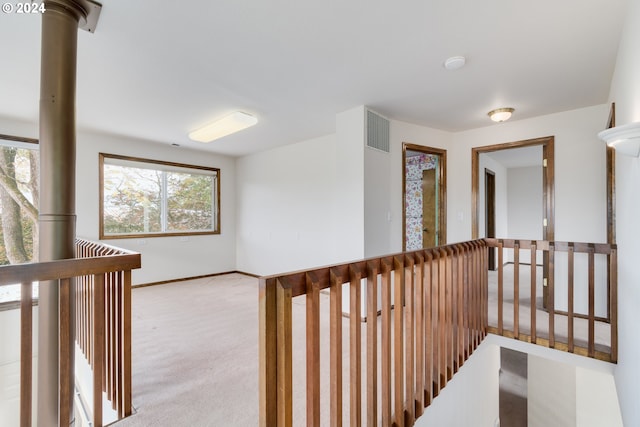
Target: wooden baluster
[89,317]
[268,359]
[26,352]
[500,289]
[473,298]
[478,290]
[435,308]
[613,301]
[452,277]
[116,351]
[335,367]
[450,332]
[284,355]
[372,343]
[126,344]
[460,304]
[98,341]
[418,392]
[534,283]
[108,350]
[66,356]
[355,350]
[570,282]
[551,296]
[592,302]
[409,340]
[313,349]
[387,266]
[467,299]
[428,326]
[442,297]
[484,277]
[117,356]
[516,290]
[398,347]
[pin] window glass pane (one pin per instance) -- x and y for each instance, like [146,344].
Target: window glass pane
[18,201]
[189,204]
[143,197]
[132,200]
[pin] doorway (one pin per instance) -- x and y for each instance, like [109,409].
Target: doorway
[546,158]
[424,186]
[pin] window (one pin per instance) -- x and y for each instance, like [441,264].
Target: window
[140,197]
[18,207]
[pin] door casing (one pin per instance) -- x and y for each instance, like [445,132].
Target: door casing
[442,193]
[548,190]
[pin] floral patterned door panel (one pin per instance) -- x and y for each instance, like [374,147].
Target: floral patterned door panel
[413,193]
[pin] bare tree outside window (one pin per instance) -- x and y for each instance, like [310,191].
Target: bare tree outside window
[19,175]
[141,197]
[19,197]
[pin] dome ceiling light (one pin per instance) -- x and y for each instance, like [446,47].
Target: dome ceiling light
[500,114]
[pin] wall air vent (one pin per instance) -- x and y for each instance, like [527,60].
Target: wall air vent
[377,132]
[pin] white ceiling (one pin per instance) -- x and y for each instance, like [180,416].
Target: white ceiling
[157,70]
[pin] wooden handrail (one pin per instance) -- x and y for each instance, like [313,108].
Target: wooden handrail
[434,311]
[103,263]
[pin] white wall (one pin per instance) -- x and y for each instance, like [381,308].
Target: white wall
[551,393]
[287,210]
[524,203]
[596,399]
[580,171]
[625,92]
[471,398]
[347,198]
[377,206]
[163,258]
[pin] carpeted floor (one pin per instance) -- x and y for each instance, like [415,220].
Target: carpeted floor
[195,353]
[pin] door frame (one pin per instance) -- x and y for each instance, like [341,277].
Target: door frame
[548,181]
[442,192]
[548,191]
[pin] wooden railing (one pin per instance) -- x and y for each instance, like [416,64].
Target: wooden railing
[107,313]
[432,316]
[62,274]
[409,350]
[567,270]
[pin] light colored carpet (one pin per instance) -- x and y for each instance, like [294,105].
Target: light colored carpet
[195,353]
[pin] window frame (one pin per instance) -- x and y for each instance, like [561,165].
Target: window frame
[195,168]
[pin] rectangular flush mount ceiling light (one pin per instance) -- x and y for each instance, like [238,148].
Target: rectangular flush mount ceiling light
[227,125]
